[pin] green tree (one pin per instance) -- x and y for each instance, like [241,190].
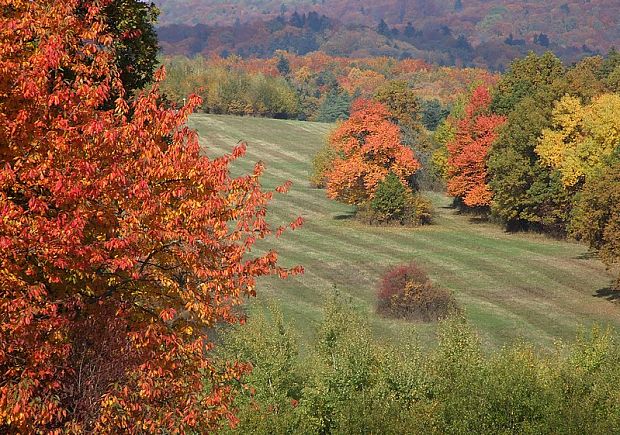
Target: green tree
[135,40]
[336,106]
[390,198]
[321,163]
[583,78]
[283,65]
[433,113]
[526,193]
[609,65]
[403,104]
[383,29]
[612,81]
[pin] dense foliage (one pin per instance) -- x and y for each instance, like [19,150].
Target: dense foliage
[368,147]
[348,383]
[487,33]
[319,87]
[395,204]
[407,292]
[582,139]
[403,104]
[531,146]
[135,41]
[597,217]
[468,151]
[123,249]
[228,90]
[121,245]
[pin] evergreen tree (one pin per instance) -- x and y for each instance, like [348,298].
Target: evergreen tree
[283,65]
[390,198]
[409,30]
[384,29]
[337,106]
[433,113]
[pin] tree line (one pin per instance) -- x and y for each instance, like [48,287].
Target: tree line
[314,87]
[541,150]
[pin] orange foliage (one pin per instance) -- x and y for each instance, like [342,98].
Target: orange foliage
[369,148]
[365,82]
[121,246]
[408,66]
[317,61]
[467,153]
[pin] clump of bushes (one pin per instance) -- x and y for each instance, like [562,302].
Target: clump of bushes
[407,292]
[345,381]
[394,203]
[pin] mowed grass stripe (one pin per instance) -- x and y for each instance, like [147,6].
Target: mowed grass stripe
[511,285]
[493,272]
[502,300]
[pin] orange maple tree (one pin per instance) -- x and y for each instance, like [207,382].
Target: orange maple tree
[467,153]
[368,147]
[121,246]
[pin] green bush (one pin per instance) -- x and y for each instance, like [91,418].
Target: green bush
[393,203]
[344,382]
[391,197]
[275,383]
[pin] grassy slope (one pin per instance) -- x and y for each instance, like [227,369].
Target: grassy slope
[511,286]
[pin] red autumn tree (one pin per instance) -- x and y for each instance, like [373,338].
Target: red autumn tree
[368,147]
[467,153]
[121,246]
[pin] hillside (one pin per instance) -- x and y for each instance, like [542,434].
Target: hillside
[511,285]
[593,23]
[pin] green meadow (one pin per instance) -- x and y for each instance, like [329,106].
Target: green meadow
[511,286]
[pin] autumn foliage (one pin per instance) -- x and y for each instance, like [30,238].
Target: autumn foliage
[121,246]
[407,292]
[368,148]
[468,151]
[596,218]
[582,138]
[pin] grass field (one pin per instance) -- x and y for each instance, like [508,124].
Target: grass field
[511,286]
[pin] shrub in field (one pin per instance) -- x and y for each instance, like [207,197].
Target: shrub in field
[419,210]
[394,203]
[407,292]
[391,198]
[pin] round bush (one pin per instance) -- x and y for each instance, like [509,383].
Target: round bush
[406,292]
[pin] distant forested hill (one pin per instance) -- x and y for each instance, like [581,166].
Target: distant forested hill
[567,23]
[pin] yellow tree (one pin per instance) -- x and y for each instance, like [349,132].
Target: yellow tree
[581,138]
